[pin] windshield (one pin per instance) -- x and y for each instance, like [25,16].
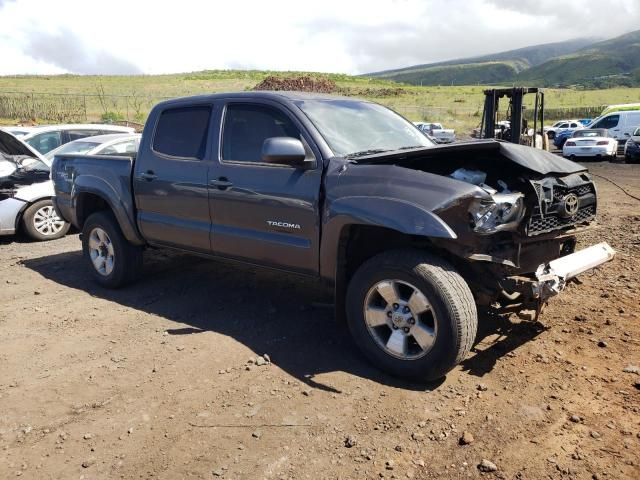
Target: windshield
[353,128]
[71,148]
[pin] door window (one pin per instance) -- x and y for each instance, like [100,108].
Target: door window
[45,142]
[608,122]
[182,132]
[246,127]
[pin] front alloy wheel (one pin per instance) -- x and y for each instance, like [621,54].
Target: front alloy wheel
[400,319]
[411,313]
[41,222]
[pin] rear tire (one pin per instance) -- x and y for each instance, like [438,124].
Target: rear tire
[426,322]
[41,222]
[112,260]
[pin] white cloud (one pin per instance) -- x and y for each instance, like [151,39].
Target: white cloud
[41,36]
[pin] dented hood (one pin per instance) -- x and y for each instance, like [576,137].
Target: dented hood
[533,159]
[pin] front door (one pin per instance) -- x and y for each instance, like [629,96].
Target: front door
[264,213]
[170,180]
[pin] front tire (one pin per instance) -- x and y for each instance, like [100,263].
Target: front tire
[411,314]
[41,222]
[112,260]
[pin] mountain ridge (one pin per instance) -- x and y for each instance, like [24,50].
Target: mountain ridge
[581,61]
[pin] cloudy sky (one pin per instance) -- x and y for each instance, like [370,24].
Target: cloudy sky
[145,36]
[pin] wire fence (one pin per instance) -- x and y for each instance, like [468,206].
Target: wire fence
[35,107]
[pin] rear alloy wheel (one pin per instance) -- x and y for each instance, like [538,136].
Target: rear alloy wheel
[411,314]
[41,222]
[101,251]
[112,260]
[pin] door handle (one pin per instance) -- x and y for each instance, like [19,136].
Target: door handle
[222,183]
[148,176]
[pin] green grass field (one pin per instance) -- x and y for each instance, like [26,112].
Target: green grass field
[131,97]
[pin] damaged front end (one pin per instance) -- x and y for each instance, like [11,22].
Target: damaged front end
[517,233]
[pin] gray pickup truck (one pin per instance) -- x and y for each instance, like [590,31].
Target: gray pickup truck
[409,237]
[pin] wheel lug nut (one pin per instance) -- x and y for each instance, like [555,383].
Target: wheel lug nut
[405,310]
[406,329]
[396,306]
[412,321]
[389,314]
[395,327]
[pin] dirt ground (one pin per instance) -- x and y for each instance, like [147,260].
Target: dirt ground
[155,380]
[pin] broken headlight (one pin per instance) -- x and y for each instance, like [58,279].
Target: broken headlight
[499,212]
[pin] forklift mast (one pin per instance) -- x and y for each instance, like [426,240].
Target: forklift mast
[515,113]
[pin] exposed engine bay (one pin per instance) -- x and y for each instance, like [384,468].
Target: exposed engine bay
[18,166]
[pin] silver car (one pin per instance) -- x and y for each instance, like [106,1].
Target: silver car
[26,192]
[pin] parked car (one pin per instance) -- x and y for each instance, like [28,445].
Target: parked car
[112,144]
[562,137]
[590,143]
[26,191]
[560,127]
[17,130]
[437,132]
[585,121]
[619,125]
[45,139]
[632,148]
[409,236]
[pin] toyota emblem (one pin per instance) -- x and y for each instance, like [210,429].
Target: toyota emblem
[571,204]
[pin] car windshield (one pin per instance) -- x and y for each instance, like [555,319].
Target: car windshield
[354,128]
[79,147]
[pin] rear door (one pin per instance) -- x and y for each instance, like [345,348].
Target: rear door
[170,179]
[264,213]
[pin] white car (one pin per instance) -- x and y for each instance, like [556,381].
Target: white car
[437,132]
[18,131]
[113,144]
[590,143]
[26,192]
[45,139]
[562,126]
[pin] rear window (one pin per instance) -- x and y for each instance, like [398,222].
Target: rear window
[78,134]
[182,132]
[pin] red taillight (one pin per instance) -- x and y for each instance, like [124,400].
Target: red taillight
[570,144]
[602,142]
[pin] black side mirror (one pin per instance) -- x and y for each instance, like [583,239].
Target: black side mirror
[283,150]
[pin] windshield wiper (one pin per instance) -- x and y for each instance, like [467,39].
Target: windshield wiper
[364,153]
[412,146]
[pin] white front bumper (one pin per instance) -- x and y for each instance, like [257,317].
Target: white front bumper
[554,275]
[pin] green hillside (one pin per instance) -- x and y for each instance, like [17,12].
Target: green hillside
[486,69]
[609,63]
[582,62]
[462,74]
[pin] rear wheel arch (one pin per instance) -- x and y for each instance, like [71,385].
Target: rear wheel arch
[88,203]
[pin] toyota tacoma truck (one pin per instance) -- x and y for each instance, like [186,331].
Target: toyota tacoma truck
[411,238]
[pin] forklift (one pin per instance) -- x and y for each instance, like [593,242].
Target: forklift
[516,128]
